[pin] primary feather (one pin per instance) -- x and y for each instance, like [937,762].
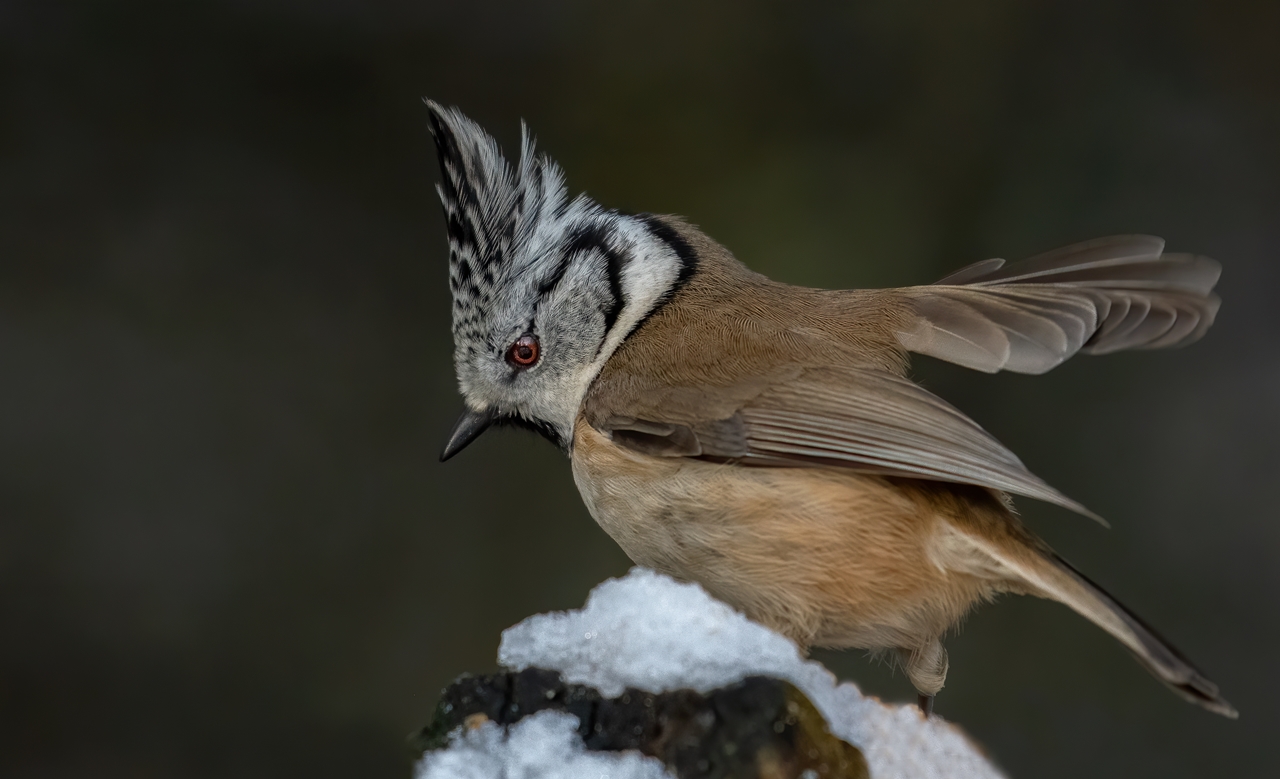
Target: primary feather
[853,419]
[1096,297]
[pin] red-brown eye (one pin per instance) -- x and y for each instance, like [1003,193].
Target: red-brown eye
[524,352]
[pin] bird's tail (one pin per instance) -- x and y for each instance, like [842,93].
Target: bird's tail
[1028,566]
[1060,581]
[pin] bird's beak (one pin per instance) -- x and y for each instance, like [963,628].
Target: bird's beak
[469,427]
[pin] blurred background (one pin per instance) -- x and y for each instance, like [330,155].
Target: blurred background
[226,545]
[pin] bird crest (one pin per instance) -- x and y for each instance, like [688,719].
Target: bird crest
[501,218]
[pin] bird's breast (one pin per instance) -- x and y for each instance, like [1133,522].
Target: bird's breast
[821,555]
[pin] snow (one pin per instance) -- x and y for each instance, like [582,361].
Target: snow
[650,632]
[543,746]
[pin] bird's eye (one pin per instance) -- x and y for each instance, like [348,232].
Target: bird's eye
[524,352]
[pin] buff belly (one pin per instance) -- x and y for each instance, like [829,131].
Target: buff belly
[827,557]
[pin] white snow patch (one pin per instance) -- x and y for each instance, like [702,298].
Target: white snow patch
[543,746]
[650,632]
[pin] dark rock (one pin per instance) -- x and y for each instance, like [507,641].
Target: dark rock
[759,728]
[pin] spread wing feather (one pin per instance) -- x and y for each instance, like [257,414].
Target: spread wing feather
[864,420]
[1095,297]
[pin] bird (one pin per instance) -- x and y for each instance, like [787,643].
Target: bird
[765,440]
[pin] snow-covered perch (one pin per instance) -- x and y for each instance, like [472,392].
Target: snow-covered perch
[648,632]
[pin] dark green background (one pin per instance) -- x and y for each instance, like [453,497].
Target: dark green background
[226,546]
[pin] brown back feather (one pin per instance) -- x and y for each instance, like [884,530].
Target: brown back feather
[729,333]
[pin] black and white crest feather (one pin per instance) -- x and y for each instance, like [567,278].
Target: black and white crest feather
[498,216]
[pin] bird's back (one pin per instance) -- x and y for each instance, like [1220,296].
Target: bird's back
[737,332]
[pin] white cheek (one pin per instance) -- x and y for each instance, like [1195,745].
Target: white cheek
[649,276]
[557,401]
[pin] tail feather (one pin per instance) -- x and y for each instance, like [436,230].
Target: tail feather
[1148,647]
[1156,654]
[1026,565]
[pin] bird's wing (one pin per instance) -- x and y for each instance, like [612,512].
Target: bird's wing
[1095,297]
[864,420]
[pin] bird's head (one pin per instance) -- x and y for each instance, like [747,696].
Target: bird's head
[544,287]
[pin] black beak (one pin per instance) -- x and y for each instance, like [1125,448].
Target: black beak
[469,427]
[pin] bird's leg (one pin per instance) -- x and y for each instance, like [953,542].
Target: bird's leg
[926,667]
[926,704]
